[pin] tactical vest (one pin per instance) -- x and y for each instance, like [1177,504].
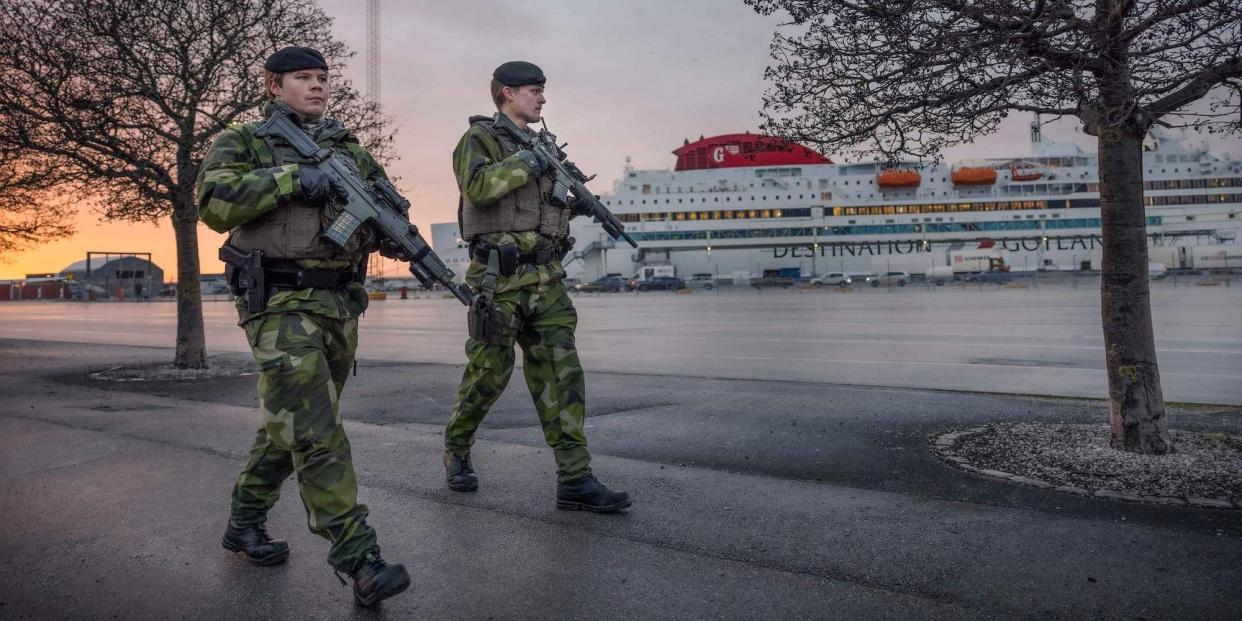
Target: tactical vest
[291,230]
[524,209]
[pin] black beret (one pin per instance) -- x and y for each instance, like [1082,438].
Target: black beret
[518,73]
[294,59]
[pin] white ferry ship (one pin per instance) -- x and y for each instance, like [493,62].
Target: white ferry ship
[747,206]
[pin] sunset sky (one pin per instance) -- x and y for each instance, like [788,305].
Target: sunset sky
[629,78]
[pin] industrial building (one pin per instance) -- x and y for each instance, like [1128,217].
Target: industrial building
[102,277]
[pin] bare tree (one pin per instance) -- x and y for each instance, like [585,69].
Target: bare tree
[909,78]
[114,102]
[29,213]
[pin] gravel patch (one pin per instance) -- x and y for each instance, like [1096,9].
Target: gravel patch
[225,365]
[1205,469]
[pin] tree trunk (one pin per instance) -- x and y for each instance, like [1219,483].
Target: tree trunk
[191,341]
[1136,405]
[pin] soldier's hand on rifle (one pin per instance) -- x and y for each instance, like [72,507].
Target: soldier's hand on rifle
[318,187]
[392,250]
[580,207]
[538,162]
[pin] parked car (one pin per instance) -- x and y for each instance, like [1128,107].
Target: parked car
[889,278]
[702,281]
[662,283]
[607,284]
[832,278]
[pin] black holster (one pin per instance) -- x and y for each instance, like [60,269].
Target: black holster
[244,273]
[486,322]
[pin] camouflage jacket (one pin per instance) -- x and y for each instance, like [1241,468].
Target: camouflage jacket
[484,177]
[241,179]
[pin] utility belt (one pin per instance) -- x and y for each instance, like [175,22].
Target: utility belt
[251,275]
[510,258]
[286,275]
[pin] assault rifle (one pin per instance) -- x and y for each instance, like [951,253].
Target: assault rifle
[377,202]
[568,178]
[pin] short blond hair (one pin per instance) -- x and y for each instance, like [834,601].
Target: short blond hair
[268,76]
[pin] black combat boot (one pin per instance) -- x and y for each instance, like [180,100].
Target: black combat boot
[376,581]
[255,544]
[588,494]
[460,475]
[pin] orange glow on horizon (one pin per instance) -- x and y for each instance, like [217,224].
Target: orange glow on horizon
[93,234]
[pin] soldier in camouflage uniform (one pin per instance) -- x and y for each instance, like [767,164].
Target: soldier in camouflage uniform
[517,239]
[255,188]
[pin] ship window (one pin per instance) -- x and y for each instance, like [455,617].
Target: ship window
[644,202]
[754,214]
[679,201]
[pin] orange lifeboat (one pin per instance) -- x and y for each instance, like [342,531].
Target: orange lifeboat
[974,175]
[894,178]
[1024,171]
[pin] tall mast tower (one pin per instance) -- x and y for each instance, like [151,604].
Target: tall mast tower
[373,54]
[375,267]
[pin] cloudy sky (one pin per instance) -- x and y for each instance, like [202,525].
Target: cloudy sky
[630,78]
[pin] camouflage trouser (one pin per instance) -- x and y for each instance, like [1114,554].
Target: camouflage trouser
[553,375]
[303,362]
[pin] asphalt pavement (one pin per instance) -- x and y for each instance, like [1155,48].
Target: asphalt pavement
[754,498]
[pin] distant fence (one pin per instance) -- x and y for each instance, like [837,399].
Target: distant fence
[13,291]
